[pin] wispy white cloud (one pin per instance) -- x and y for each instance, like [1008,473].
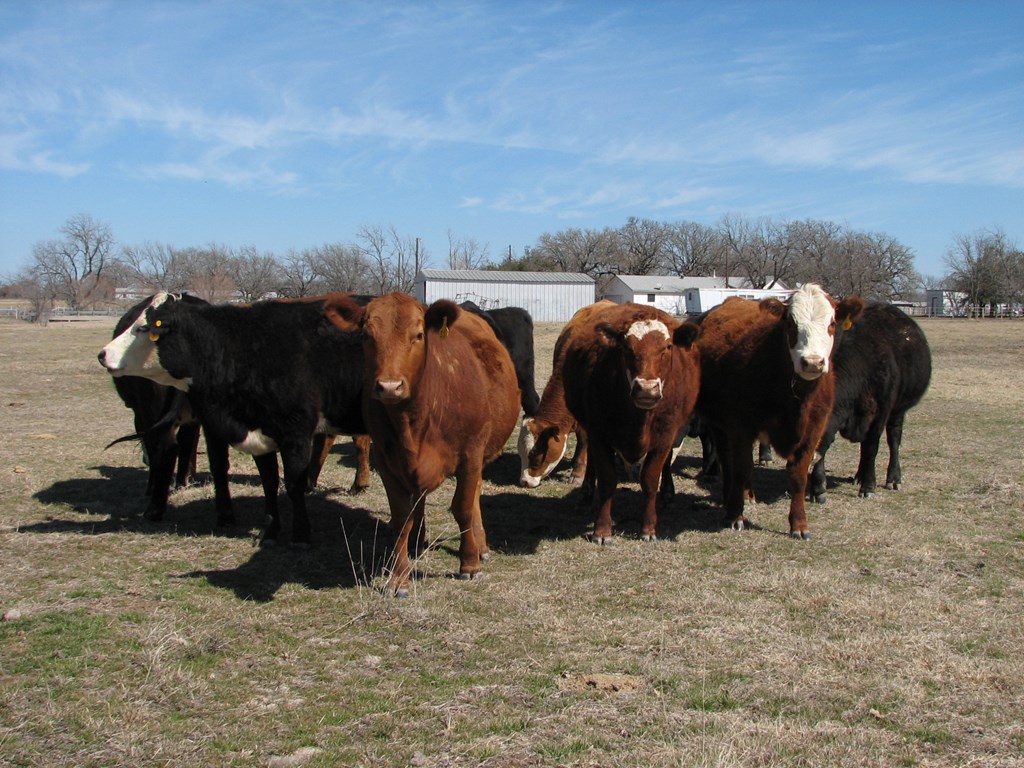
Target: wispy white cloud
[20,153]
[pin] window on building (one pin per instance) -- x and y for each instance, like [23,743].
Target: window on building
[650,298]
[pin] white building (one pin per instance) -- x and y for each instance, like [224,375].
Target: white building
[547,296]
[685,295]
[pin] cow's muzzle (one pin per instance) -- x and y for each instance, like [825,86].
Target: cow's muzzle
[390,390]
[811,367]
[646,393]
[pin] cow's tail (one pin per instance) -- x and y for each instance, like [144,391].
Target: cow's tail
[125,439]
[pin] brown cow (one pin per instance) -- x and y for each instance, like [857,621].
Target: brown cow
[440,398]
[766,371]
[542,437]
[631,377]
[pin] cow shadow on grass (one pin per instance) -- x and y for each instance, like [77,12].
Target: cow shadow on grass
[349,548]
[116,499]
[350,545]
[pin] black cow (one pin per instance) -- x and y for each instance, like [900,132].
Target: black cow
[883,367]
[169,433]
[514,328]
[264,378]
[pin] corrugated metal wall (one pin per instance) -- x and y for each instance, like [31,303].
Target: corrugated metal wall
[546,302]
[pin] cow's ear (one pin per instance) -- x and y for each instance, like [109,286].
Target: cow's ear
[157,329]
[344,313]
[608,333]
[440,316]
[684,335]
[773,307]
[848,310]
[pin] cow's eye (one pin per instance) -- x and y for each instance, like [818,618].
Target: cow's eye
[419,336]
[142,328]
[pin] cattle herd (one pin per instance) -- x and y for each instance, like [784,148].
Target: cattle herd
[435,391]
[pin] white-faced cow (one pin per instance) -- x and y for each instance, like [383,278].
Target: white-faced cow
[169,433]
[440,399]
[631,376]
[883,367]
[766,371]
[264,378]
[543,436]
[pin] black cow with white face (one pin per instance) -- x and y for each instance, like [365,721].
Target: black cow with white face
[264,378]
[169,432]
[883,367]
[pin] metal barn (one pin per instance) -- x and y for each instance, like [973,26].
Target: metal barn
[547,296]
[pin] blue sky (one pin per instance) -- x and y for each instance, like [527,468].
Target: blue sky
[286,125]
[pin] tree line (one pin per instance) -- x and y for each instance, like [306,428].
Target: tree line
[85,269]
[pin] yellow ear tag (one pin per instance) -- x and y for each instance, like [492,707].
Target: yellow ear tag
[153,335]
[847,324]
[443,333]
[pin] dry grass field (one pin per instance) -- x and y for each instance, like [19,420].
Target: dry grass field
[894,638]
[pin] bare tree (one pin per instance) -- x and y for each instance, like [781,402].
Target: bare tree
[207,272]
[762,250]
[986,267]
[578,250]
[391,258]
[72,268]
[299,276]
[643,246]
[466,253]
[692,249]
[342,267]
[153,266]
[255,275]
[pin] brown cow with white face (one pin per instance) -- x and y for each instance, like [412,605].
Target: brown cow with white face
[631,378]
[766,372]
[543,436]
[440,398]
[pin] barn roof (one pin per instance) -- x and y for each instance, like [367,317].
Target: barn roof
[497,276]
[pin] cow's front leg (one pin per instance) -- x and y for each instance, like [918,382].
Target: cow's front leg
[466,510]
[266,465]
[601,468]
[295,458]
[797,470]
[406,515]
[362,479]
[652,479]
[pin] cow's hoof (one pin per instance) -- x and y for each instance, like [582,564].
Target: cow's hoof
[400,593]
[892,486]
[819,498]
[739,524]
[355,490]
[485,556]
[867,494]
[648,537]
[602,540]
[800,535]
[471,576]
